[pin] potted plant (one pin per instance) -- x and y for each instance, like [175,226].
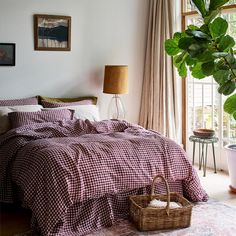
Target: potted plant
[207,50]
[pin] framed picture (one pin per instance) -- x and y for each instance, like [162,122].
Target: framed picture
[7,54]
[52,33]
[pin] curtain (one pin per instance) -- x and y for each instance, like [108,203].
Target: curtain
[159,102]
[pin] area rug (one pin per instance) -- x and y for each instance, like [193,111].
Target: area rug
[208,219]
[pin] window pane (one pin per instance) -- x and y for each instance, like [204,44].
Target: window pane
[189,6]
[206,80]
[216,110]
[231,2]
[198,109]
[207,110]
[194,20]
[190,108]
[231,18]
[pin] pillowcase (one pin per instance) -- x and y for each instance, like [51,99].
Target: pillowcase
[68,100]
[5,110]
[18,119]
[19,102]
[82,112]
[64,104]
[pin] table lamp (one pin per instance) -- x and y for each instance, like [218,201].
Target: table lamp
[116,82]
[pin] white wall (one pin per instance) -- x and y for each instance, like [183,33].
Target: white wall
[103,32]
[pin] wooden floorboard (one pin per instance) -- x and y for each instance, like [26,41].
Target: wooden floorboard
[13,219]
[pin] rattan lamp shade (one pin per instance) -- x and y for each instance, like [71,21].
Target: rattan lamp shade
[115,79]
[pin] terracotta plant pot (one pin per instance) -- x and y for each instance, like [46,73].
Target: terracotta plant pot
[204,133]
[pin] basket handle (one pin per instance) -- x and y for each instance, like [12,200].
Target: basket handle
[167,189]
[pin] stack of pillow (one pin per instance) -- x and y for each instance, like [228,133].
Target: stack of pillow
[18,112]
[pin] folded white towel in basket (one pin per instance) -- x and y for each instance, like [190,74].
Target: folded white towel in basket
[160,204]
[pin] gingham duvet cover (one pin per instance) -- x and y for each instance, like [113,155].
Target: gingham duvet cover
[61,164]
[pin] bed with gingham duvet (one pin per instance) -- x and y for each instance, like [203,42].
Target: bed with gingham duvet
[75,176]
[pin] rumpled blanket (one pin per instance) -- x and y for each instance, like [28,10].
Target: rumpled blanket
[58,164]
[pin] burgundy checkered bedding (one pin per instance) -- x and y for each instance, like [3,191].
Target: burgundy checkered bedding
[19,102]
[18,119]
[67,165]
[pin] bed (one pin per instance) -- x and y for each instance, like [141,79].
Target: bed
[76,175]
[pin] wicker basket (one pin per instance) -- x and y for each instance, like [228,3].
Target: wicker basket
[146,218]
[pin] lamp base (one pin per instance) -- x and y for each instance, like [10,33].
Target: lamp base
[116,108]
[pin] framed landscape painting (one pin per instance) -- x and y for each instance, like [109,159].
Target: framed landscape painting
[52,33]
[7,54]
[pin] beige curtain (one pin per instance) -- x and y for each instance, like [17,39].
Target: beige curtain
[159,108]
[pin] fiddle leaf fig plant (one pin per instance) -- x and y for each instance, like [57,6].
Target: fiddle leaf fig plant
[207,50]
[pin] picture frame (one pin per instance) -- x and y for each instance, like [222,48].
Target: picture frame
[52,32]
[7,54]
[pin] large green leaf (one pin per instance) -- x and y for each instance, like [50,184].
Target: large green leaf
[230,104]
[227,88]
[221,65]
[214,4]
[205,29]
[210,16]
[218,27]
[171,47]
[208,68]
[193,27]
[205,56]
[185,42]
[230,59]
[190,61]
[221,76]
[195,47]
[182,69]
[197,71]
[180,57]
[226,42]
[198,47]
[177,36]
[200,5]
[200,34]
[220,54]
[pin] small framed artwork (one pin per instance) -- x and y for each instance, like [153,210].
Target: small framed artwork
[7,54]
[52,33]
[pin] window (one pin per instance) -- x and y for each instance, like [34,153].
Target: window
[204,105]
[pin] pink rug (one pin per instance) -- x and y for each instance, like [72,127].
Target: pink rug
[208,219]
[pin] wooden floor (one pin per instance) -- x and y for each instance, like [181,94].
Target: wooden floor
[14,219]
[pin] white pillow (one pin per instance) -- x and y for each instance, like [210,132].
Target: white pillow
[82,112]
[4,110]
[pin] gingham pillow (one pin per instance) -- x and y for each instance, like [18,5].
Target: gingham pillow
[83,112]
[47,104]
[19,102]
[18,119]
[5,110]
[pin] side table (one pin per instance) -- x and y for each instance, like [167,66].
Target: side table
[203,142]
